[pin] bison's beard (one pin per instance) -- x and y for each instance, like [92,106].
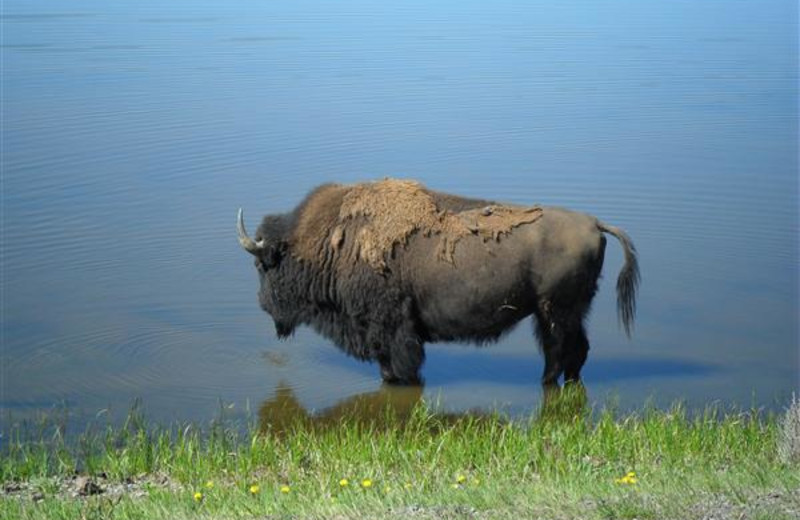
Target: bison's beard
[283,330]
[284,325]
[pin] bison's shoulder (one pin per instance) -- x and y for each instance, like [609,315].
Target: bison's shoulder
[314,220]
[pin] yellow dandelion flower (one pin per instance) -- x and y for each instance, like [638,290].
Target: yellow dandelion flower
[629,478]
[461,479]
[366,483]
[209,485]
[344,482]
[254,489]
[285,489]
[198,496]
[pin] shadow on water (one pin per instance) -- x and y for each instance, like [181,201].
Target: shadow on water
[392,407]
[470,365]
[473,366]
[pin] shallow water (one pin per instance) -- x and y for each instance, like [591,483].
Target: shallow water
[132,133]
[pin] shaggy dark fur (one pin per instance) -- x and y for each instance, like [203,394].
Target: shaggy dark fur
[548,268]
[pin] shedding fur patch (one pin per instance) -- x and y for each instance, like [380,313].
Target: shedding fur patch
[378,216]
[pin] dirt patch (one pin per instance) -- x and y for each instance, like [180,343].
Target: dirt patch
[378,216]
[775,504]
[383,214]
[83,486]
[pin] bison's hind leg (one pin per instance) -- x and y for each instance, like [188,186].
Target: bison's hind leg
[576,350]
[563,342]
[550,336]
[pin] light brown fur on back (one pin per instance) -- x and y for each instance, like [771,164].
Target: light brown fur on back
[364,222]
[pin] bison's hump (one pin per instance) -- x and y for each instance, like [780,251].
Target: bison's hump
[365,222]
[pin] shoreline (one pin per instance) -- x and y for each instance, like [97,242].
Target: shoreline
[563,464]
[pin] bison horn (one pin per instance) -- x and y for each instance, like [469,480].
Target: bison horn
[251,246]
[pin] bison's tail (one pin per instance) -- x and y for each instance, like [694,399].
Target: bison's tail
[628,280]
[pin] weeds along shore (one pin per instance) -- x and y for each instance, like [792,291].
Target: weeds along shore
[561,463]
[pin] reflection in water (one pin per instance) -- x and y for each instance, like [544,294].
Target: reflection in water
[389,404]
[393,406]
[564,403]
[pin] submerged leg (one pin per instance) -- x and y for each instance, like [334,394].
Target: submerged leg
[564,343]
[568,356]
[552,365]
[551,339]
[401,363]
[575,352]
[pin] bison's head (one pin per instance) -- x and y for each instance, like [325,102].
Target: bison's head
[269,248]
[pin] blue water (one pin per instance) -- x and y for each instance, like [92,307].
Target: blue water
[132,131]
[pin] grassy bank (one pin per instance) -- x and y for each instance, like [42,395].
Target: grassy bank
[657,464]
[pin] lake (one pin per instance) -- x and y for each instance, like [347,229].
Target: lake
[132,132]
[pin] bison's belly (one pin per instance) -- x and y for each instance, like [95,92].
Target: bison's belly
[477,306]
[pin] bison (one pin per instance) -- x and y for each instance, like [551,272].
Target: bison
[381,268]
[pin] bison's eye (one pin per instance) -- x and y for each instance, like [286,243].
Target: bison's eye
[259,263]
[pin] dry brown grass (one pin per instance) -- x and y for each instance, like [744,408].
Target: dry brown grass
[789,434]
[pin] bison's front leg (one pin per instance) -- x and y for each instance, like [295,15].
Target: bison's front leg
[401,362]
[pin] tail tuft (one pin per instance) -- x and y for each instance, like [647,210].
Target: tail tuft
[628,280]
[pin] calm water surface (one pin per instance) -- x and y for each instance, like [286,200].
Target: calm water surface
[131,134]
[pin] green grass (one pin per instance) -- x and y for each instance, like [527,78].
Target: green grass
[559,464]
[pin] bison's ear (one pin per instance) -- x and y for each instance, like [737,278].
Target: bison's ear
[272,255]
